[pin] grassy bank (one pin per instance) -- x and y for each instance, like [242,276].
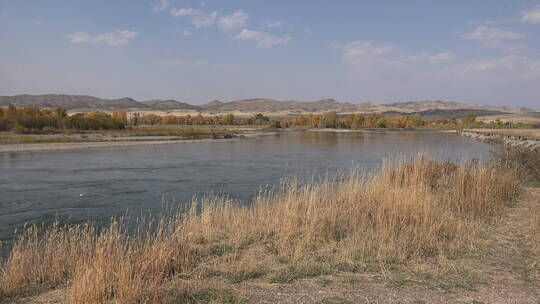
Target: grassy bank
[417,212]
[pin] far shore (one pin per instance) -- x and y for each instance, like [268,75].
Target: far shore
[38,147]
[375,130]
[52,146]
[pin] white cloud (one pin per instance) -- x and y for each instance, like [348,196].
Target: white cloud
[201,19]
[177,12]
[274,24]
[198,18]
[78,37]
[262,39]
[37,23]
[161,6]
[234,21]
[364,54]
[489,33]
[379,71]
[116,38]
[186,33]
[512,65]
[494,37]
[531,16]
[433,59]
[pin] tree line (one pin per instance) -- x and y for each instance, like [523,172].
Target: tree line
[330,119]
[32,119]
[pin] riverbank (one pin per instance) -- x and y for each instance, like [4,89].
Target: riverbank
[37,143]
[114,143]
[414,231]
[526,138]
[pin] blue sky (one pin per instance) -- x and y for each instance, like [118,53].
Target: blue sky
[476,51]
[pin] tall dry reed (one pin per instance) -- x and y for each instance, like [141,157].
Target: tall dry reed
[416,210]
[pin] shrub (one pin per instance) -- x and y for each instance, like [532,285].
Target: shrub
[525,161]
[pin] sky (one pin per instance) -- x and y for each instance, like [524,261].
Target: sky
[474,51]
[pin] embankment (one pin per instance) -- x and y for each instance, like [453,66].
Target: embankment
[514,140]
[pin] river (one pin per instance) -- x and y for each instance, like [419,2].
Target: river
[77,185]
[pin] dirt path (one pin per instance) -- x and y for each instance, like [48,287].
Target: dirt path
[503,274]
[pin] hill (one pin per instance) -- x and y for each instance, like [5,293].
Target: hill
[170,104]
[71,102]
[256,105]
[420,106]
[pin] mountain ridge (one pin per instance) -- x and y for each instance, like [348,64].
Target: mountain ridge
[262,105]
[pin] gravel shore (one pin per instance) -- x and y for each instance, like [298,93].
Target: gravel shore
[36,147]
[509,140]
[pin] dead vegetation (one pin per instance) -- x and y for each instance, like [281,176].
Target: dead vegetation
[417,213]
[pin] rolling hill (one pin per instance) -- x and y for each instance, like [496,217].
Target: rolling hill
[256,105]
[168,105]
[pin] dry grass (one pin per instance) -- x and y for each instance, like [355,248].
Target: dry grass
[423,210]
[535,241]
[530,133]
[525,161]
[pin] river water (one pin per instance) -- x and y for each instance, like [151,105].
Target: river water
[77,185]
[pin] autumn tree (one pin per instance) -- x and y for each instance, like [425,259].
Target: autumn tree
[120,115]
[469,119]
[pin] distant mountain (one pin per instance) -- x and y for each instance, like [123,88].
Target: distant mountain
[212,104]
[71,102]
[438,113]
[168,105]
[270,105]
[256,105]
[419,106]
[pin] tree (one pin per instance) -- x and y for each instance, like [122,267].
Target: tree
[11,112]
[135,119]
[228,119]
[330,119]
[120,115]
[469,119]
[60,112]
[260,119]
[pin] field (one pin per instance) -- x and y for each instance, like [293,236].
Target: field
[525,118]
[414,231]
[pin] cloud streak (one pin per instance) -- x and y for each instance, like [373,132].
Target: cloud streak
[495,38]
[115,38]
[178,12]
[531,16]
[364,54]
[262,39]
[274,24]
[433,59]
[161,6]
[234,21]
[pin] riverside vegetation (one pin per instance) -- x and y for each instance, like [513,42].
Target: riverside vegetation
[408,213]
[33,120]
